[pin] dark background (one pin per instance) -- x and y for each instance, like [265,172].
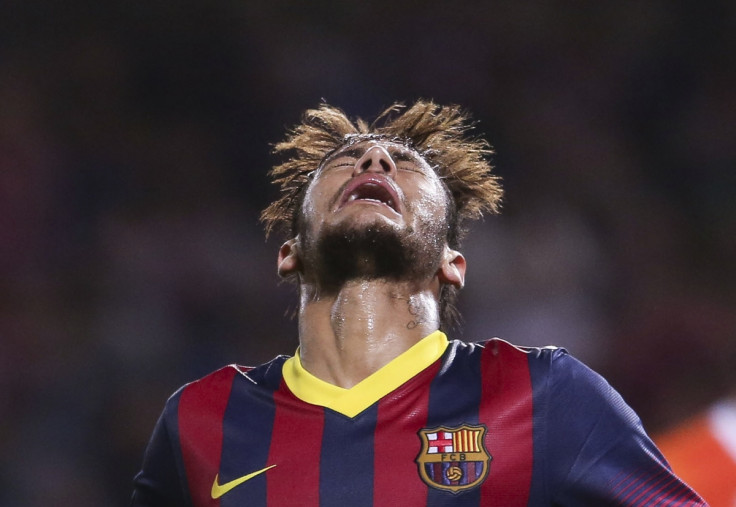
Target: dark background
[134,142]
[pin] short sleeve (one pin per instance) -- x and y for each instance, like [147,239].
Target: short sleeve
[598,451]
[161,483]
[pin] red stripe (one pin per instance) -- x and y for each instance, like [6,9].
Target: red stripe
[685,496]
[295,450]
[201,410]
[666,491]
[507,409]
[401,414]
[471,473]
[437,472]
[646,489]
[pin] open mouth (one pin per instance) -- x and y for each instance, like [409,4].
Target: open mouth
[371,189]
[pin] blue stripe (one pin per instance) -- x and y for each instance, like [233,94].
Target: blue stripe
[172,426]
[538,371]
[454,399]
[346,461]
[157,477]
[247,428]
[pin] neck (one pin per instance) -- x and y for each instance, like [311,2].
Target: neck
[347,335]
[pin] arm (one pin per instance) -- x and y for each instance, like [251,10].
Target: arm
[160,482]
[598,451]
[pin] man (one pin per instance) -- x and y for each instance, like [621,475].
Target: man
[377,407]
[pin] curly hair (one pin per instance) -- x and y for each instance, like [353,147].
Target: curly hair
[439,134]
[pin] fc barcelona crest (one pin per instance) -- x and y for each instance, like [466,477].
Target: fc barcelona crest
[454,459]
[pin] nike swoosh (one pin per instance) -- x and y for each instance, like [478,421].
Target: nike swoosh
[220,489]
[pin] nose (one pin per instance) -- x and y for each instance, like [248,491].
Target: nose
[375,159]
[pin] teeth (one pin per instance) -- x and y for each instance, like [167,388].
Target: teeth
[357,195]
[373,199]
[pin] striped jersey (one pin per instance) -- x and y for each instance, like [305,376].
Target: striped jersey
[445,423]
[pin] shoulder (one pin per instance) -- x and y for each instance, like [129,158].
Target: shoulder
[555,364]
[556,372]
[552,370]
[498,345]
[218,384]
[496,349]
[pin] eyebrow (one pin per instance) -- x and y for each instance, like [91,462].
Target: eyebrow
[398,153]
[355,152]
[405,155]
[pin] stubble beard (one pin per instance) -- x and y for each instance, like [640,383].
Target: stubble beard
[376,251]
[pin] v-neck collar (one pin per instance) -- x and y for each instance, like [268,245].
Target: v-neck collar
[351,402]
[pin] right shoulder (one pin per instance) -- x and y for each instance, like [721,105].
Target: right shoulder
[220,383]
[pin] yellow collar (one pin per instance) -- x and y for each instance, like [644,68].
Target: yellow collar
[351,402]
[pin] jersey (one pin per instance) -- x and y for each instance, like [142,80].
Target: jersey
[702,451]
[444,424]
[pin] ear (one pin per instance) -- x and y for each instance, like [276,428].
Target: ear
[452,269]
[289,262]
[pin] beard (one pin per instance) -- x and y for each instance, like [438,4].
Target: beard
[377,251]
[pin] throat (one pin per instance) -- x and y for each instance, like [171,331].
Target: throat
[349,336]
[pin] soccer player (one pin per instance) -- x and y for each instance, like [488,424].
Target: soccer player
[378,407]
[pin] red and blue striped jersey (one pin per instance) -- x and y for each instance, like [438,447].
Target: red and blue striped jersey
[445,423]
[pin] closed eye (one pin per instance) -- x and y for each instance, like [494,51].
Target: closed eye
[344,158]
[406,160]
[341,162]
[350,163]
[410,167]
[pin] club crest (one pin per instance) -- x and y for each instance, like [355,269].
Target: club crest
[454,459]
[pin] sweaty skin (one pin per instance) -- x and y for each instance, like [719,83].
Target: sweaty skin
[348,332]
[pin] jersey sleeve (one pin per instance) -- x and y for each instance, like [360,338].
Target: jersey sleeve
[597,452]
[161,481]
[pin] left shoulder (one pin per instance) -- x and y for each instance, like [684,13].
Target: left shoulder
[550,368]
[498,348]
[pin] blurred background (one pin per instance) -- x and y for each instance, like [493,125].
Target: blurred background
[134,144]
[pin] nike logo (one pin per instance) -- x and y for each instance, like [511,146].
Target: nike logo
[220,489]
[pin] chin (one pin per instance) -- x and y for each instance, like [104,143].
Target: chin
[371,248]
